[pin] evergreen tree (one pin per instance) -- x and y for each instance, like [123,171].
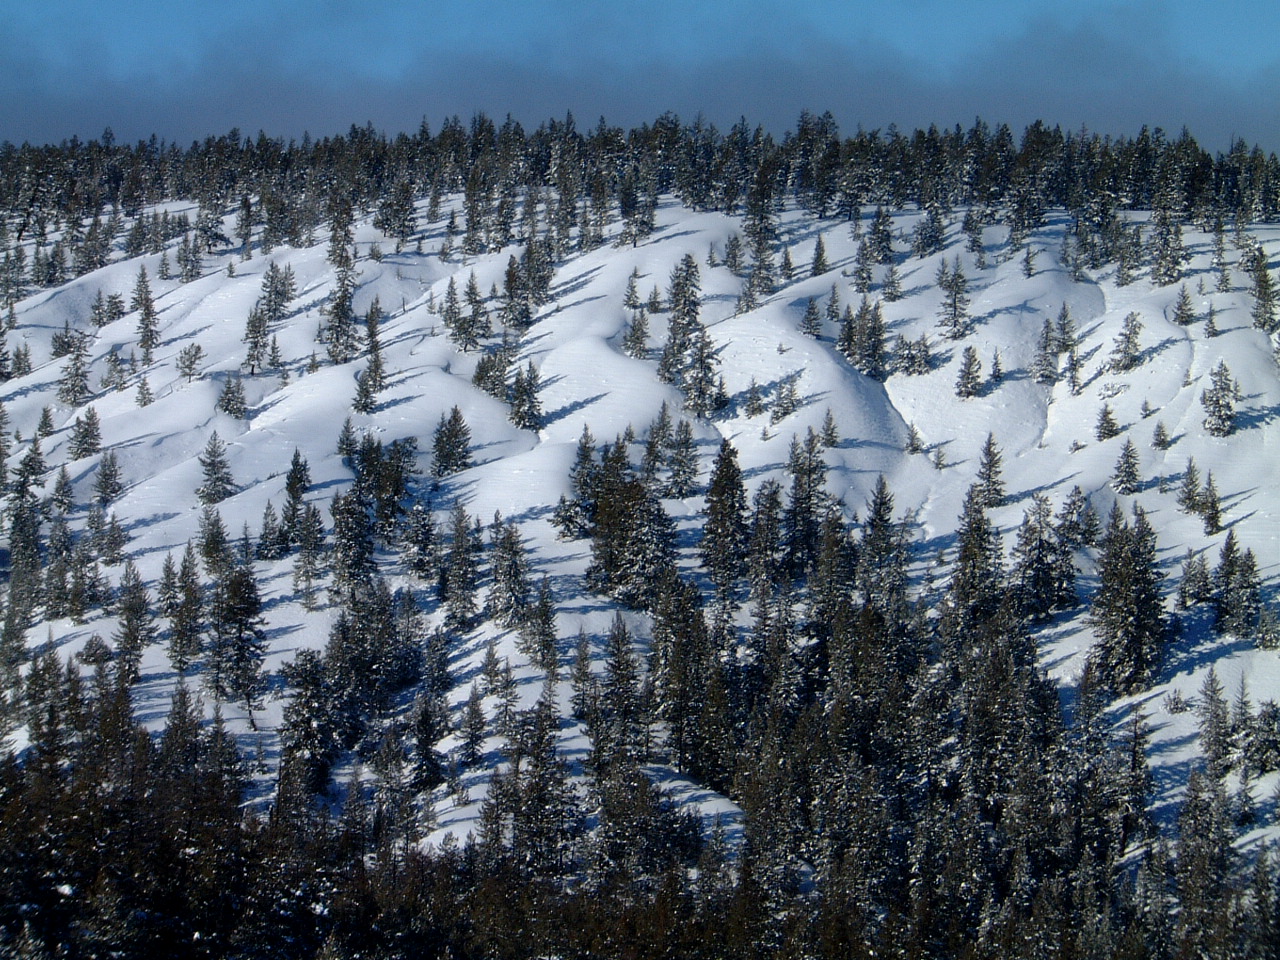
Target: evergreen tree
[459,573]
[1160,439]
[296,483]
[953,314]
[1044,368]
[1209,507]
[1167,251]
[1204,867]
[256,340]
[189,358]
[308,563]
[1195,585]
[1127,612]
[862,274]
[351,558]
[1106,427]
[232,400]
[724,536]
[526,409]
[270,542]
[635,343]
[1125,479]
[891,288]
[236,641]
[136,629]
[186,614]
[279,288]
[974,593]
[1126,353]
[340,334]
[1184,313]
[108,484]
[969,380]
[806,501]
[366,399]
[819,265]
[881,563]
[86,435]
[1043,574]
[631,536]
[811,322]
[1219,402]
[1264,293]
[509,594]
[1189,491]
[683,460]
[73,385]
[1237,601]
[218,483]
[148,321]
[451,444]
[990,484]
[538,631]
[880,236]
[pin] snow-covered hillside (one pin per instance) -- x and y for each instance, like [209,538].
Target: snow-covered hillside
[1045,431]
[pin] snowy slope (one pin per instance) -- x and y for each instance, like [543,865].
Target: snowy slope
[1045,433]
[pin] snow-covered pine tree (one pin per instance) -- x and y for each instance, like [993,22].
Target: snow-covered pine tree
[1106,427]
[989,481]
[1219,401]
[969,379]
[1126,352]
[1127,612]
[451,444]
[218,483]
[1125,478]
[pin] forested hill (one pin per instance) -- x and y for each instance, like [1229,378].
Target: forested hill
[505,543]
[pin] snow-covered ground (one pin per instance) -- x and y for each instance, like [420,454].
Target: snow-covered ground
[1046,434]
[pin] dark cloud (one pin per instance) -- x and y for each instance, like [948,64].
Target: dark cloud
[1078,76]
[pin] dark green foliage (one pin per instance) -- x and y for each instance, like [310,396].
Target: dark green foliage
[137,628]
[1183,311]
[990,484]
[236,642]
[1125,478]
[218,483]
[1127,612]
[806,502]
[509,594]
[1043,572]
[724,536]
[341,336]
[232,401]
[351,558]
[1106,427]
[953,314]
[811,322]
[451,444]
[969,379]
[1126,352]
[1236,589]
[909,787]
[1219,402]
[185,610]
[631,535]
[977,580]
[108,483]
[148,321]
[526,410]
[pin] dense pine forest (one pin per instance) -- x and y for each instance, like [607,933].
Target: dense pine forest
[661,689]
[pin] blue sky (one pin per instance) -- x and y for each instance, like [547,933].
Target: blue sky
[288,66]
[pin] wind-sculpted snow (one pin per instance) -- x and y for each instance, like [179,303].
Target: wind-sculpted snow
[575,343]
